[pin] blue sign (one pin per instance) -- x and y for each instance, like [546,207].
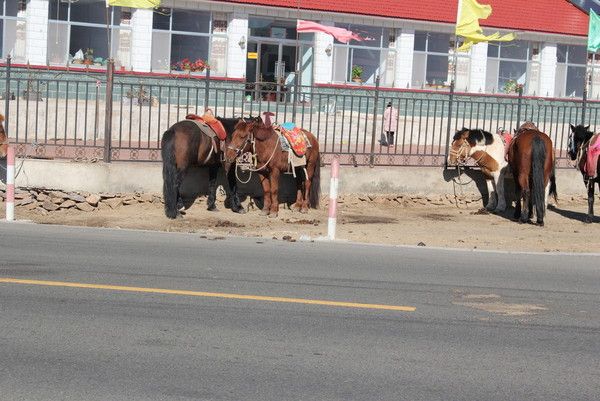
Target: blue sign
[585,5]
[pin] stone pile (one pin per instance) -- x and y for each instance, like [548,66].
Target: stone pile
[45,200]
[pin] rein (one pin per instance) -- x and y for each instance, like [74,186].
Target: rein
[254,170]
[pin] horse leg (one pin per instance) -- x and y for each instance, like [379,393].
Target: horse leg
[274,179]
[526,199]
[265,182]
[518,193]
[231,193]
[212,187]
[296,207]
[590,215]
[491,186]
[501,200]
[307,185]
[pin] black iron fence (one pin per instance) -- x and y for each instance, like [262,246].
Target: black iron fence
[59,114]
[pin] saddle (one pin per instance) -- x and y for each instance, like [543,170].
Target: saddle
[208,119]
[588,157]
[294,137]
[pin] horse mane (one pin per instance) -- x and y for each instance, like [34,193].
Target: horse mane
[261,131]
[231,124]
[582,132]
[527,125]
[476,136]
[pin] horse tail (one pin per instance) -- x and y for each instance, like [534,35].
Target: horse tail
[170,187]
[553,192]
[538,193]
[315,187]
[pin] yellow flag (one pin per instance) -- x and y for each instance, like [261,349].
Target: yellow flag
[467,26]
[133,3]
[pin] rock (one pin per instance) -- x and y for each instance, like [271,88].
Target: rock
[41,211]
[421,244]
[49,206]
[56,201]
[84,206]
[113,202]
[57,194]
[32,206]
[21,195]
[67,204]
[146,198]
[23,202]
[42,197]
[76,197]
[105,195]
[93,199]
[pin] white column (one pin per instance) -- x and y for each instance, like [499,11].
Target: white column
[405,48]
[548,69]
[36,39]
[237,32]
[323,66]
[141,40]
[478,67]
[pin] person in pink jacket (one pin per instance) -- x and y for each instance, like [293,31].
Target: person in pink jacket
[390,122]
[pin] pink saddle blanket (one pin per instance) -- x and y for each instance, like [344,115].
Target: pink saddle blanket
[507,138]
[591,162]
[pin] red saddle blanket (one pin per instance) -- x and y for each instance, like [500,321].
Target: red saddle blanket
[212,122]
[296,139]
[507,138]
[591,162]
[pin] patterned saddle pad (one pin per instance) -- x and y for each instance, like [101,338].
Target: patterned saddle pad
[296,139]
[209,119]
[593,153]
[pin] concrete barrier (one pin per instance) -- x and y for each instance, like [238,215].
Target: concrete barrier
[147,177]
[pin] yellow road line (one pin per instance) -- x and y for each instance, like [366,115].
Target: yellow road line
[208,294]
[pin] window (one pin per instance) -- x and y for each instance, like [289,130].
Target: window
[511,64]
[270,28]
[371,55]
[12,29]
[570,70]
[185,40]
[431,60]
[77,34]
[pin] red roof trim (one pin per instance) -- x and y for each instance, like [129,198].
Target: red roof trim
[548,16]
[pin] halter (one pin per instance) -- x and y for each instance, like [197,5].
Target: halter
[459,153]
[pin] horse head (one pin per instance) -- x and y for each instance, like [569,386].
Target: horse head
[241,140]
[577,137]
[460,148]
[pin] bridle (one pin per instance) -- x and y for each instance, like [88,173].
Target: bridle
[464,148]
[238,151]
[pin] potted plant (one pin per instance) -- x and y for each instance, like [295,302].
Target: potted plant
[512,86]
[190,66]
[357,71]
[88,58]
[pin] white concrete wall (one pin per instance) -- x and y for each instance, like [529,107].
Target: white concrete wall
[141,40]
[478,67]
[237,28]
[405,44]
[36,40]
[323,63]
[548,69]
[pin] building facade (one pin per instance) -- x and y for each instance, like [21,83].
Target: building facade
[408,45]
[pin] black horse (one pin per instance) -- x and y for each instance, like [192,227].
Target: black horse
[578,149]
[184,145]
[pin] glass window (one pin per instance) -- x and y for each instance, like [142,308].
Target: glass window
[512,71]
[15,8]
[270,28]
[577,55]
[161,19]
[91,11]
[340,64]
[373,36]
[369,60]
[13,29]
[516,49]
[438,42]
[191,21]
[575,78]
[561,53]
[58,43]
[493,50]
[58,10]
[420,41]
[437,70]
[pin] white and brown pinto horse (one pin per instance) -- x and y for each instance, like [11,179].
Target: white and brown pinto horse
[487,150]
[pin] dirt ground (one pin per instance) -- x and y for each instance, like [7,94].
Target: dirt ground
[360,219]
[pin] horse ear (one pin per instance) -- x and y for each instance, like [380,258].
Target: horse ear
[587,128]
[572,127]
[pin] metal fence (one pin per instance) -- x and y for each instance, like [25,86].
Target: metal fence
[66,115]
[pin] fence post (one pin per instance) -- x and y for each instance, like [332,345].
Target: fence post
[7,96]
[333,193]
[295,101]
[374,133]
[110,69]
[449,127]
[207,89]
[519,104]
[584,105]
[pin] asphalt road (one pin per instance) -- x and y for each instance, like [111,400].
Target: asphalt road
[486,326]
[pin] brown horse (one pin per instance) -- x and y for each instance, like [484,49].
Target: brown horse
[531,159]
[3,139]
[184,145]
[271,161]
[583,147]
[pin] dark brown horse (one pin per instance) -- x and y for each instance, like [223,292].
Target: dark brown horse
[584,147]
[3,139]
[184,145]
[271,161]
[531,159]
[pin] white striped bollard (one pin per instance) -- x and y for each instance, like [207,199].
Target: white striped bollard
[10,183]
[333,193]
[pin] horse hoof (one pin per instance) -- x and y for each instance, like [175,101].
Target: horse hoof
[241,210]
[273,215]
[212,208]
[264,212]
[304,211]
[588,220]
[540,223]
[296,208]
